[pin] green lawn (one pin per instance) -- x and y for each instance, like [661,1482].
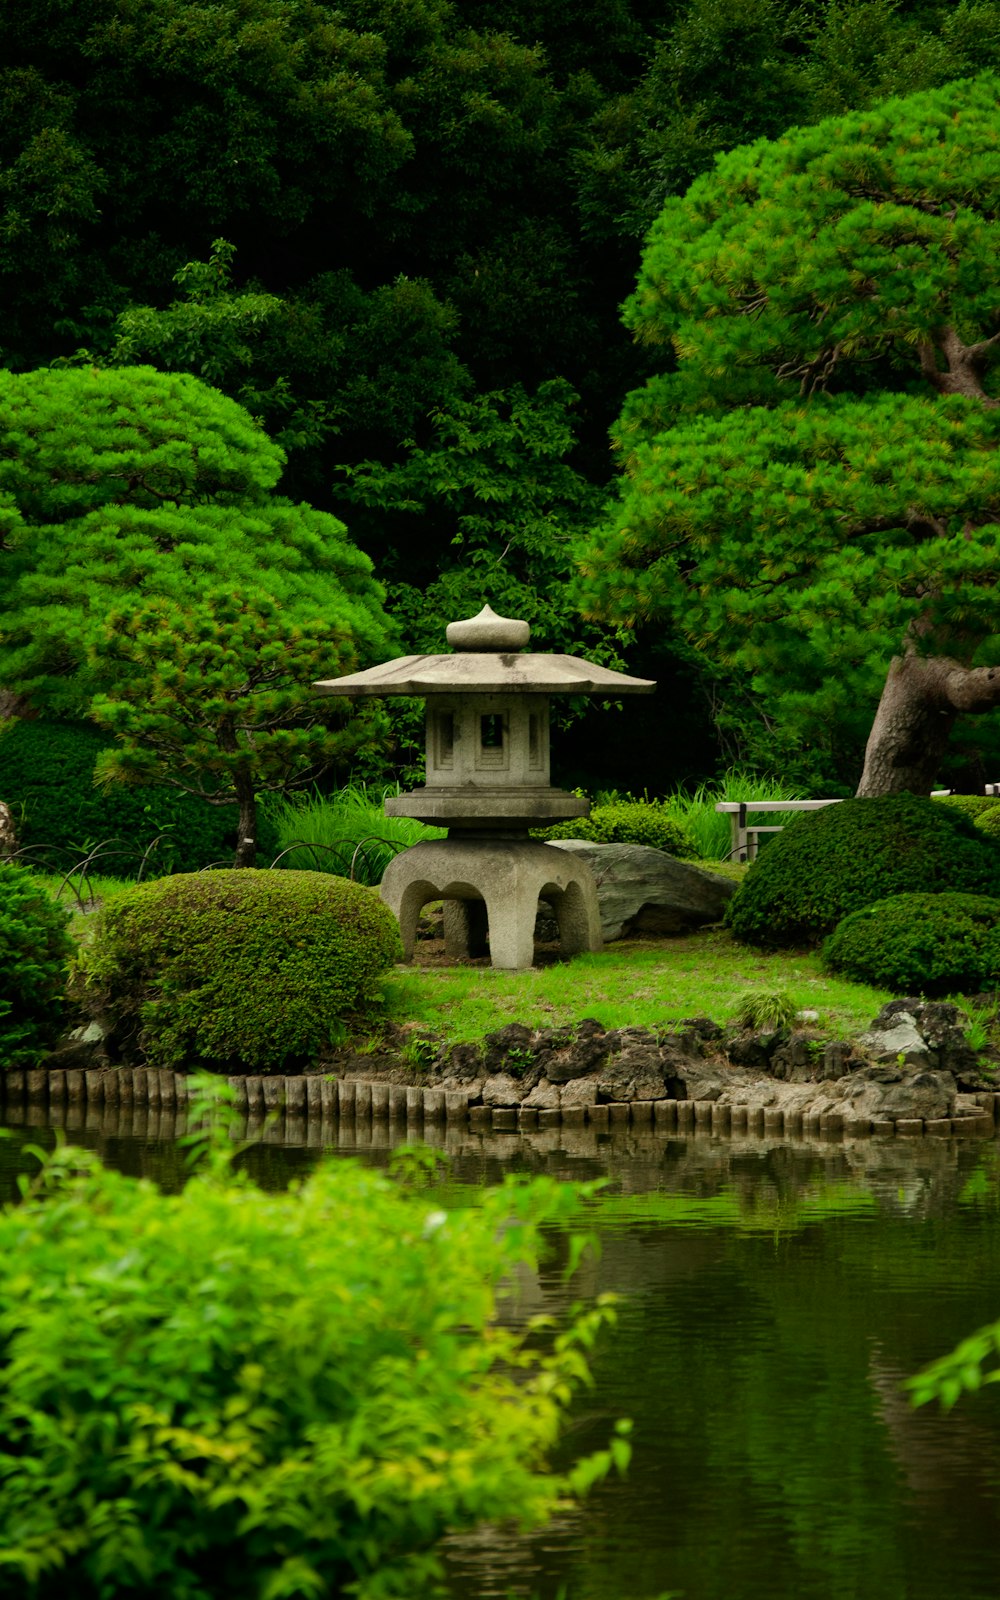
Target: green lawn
[631,984]
[637,983]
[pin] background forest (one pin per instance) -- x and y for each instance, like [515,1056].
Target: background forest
[400,233]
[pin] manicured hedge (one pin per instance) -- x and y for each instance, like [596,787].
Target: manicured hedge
[830,862]
[237,970]
[47,777]
[920,943]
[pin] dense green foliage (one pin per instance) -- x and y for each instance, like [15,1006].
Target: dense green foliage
[137,505]
[346,832]
[47,776]
[132,485]
[836,860]
[381,228]
[34,951]
[230,1395]
[493,487]
[241,970]
[810,492]
[212,698]
[629,822]
[920,943]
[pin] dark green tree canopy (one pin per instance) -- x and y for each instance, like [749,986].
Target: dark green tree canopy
[855,254]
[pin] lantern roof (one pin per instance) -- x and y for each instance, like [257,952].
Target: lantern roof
[489,659]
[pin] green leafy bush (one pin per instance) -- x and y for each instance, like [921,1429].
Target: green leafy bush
[629,822]
[920,943]
[224,1394]
[830,862]
[238,969]
[34,952]
[47,777]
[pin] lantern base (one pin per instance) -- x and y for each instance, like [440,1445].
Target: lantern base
[506,878]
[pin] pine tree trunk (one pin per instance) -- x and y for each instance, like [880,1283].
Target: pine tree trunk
[922,697]
[246,837]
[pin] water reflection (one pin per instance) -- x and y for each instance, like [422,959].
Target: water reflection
[773,1296]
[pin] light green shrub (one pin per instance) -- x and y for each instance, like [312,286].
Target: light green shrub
[646,822]
[767,1010]
[224,1394]
[970,805]
[240,970]
[988,821]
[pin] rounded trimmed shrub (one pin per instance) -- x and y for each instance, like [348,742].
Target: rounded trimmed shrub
[629,822]
[920,943]
[830,862]
[47,777]
[988,822]
[239,970]
[971,805]
[34,952]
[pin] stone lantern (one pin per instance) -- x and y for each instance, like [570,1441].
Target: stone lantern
[488,783]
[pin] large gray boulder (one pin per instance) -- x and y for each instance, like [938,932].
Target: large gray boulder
[642,890]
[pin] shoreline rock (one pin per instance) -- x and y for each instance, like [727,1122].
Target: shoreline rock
[913,1066]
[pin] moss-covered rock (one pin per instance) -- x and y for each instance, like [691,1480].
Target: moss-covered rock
[34,952]
[828,863]
[920,943]
[239,970]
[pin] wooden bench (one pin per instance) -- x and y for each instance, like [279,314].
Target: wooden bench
[746,835]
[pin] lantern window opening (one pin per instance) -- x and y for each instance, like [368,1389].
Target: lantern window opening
[444,723]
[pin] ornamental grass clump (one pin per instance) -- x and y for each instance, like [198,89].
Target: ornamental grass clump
[225,1394]
[237,970]
[929,944]
[830,862]
[34,954]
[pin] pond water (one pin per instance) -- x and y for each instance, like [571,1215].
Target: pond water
[773,1296]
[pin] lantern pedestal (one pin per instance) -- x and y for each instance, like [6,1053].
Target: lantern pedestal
[495,882]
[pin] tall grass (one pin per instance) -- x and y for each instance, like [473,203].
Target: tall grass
[711,832]
[337,832]
[696,812]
